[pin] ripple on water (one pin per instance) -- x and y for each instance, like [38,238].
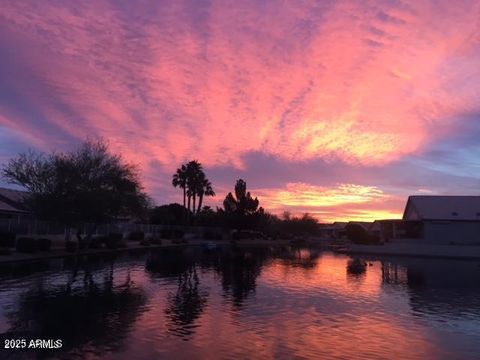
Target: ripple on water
[244,304]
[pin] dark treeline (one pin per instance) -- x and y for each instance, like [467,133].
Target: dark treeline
[92,185]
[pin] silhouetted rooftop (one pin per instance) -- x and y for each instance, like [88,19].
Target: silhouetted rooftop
[442,208]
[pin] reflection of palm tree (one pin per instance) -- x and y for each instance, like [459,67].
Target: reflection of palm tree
[186,304]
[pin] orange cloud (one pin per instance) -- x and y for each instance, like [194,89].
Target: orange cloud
[342,202]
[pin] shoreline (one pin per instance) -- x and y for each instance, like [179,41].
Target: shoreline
[134,246]
[447,252]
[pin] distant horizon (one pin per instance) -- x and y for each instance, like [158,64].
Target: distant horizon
[340,109]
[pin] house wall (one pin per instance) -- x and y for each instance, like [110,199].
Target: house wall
[452,232]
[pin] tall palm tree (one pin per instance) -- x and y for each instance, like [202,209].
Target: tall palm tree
[180,180]
[194,174]
[204,189]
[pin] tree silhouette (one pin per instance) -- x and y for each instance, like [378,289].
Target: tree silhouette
[204,189]
[192,180]
[88,184]
[194,175]
[242,207]
[180,180]
[86,312]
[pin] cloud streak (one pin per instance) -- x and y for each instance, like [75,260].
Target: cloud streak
[360,83]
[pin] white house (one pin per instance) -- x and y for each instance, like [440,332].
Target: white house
[445,219]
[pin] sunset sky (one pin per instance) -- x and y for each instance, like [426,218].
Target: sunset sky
[337,108]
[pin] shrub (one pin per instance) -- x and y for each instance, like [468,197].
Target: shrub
[5,251]
[177,234]
[115,236]
[121,244]
[165,234]
[7,239]
[97,243]
[27,245]
[212,235]
[113,240]
[136,236]
[111,244]
[145,242]
[71,246]
[44,244]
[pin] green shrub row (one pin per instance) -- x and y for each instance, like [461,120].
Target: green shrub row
[7,239]
[136,236]
[31,245]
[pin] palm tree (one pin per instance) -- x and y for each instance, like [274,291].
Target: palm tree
[191,178]
[204,189]
[180,180]
[194,174]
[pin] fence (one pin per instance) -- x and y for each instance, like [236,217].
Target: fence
[23,226]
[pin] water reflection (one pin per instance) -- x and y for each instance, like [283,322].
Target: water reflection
[445,289]
[79,310]
[186,303]
[239,269]
[271,302]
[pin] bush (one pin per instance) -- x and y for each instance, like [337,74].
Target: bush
[358,235]
[115,236]
[111,244]
[71,246]
[136,236]
[121,244]
[97,243]
[156,241]
[7,239]
[44,244]
[145,242]
[177,234]
[113,240]
[27,245]
[165,234]
[5,251]
[212,235]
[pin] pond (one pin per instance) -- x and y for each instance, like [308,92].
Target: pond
[242,303]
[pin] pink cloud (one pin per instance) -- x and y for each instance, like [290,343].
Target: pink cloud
[365,83]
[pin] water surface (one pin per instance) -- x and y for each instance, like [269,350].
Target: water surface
[243,304]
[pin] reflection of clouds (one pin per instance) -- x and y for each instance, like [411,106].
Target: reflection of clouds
[301,304]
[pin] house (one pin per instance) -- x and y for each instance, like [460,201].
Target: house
[12,204]
[335,230]
[445,219]
[389,229]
